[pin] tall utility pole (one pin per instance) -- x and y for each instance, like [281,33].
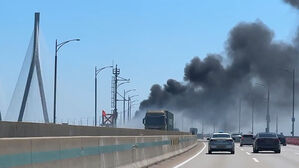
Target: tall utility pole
[293,112]
[116,72]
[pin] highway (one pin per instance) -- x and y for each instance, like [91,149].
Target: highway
[288,158]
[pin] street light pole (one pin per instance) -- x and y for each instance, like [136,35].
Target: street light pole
[96,72]
[129,99]
[276,123]
[268,112]
[293,104]
[293,112]
[124,108]
[240,109]
[252,115]
[129,105]
[57,47]
[268,104]
[95,96]
[124,104]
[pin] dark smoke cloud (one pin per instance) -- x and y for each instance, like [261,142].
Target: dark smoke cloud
[211,91]
[294,3]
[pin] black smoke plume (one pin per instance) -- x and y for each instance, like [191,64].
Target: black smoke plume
[212,89]
[294,3]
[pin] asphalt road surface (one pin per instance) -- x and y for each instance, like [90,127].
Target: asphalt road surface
[243,158]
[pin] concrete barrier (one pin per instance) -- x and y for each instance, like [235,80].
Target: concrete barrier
[91,151]
[24,129]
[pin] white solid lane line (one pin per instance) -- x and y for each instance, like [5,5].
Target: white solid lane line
[241,149]
[255,160]
[186,161]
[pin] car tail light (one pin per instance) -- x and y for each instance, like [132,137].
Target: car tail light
[259,140]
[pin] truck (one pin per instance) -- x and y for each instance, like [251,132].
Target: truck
[159,120]
[193,131]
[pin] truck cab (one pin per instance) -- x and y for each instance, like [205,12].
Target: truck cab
[160,120]
[193,131]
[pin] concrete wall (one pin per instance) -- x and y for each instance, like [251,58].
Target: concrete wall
[91,151]
[23,129]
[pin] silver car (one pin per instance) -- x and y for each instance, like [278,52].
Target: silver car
[221,142]
[236,137]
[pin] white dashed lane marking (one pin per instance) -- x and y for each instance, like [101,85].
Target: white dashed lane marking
[248,153]
[255,160]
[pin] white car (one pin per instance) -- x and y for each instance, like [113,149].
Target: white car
[236,137]
[221,142]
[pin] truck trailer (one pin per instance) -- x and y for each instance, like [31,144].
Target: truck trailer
[160,120]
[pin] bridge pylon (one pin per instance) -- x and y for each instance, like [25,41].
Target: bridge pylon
[34,65]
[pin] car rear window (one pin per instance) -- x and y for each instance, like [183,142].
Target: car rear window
[265,135]
[247,136]
[221,136]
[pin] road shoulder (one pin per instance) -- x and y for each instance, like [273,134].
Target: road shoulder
[173,161]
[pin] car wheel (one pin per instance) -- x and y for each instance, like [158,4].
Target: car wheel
[255,150]
[232,152]
[210,152]
[277,151]
[241,145]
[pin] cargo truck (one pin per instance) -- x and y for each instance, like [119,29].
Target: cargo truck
[160,120]
[193,131]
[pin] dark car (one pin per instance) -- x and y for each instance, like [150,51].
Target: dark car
[247,139]
[282,139]
[266,142]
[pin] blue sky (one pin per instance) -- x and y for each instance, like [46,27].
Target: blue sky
[150,40]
